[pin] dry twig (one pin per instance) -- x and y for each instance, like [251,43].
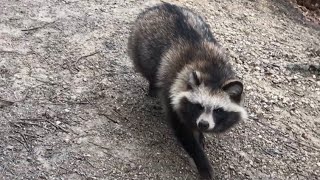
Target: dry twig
[101,113]
[98,145]
[36,28]
[26,146]
[4,103]
[109,118]
[57,126]
[85,56]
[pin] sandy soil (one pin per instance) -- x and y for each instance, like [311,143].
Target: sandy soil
[71,106]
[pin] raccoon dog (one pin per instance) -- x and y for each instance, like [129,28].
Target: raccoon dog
[187,69]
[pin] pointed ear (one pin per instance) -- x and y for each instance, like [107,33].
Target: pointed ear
[194,79]
[234,88]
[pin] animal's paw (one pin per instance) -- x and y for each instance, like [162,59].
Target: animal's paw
[206,174]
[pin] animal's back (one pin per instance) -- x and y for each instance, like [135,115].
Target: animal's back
[157,29]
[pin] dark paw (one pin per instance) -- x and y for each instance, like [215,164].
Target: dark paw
[206,175]
[206,172]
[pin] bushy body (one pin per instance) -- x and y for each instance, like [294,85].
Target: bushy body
[174,49]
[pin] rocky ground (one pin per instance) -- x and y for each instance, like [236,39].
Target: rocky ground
[71,106]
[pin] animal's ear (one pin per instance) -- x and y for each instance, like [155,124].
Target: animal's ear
[234,88]
[194,79]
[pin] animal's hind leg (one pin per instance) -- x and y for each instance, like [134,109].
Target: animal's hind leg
[152,91]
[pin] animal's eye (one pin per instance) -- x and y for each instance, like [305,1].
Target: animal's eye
[218,110]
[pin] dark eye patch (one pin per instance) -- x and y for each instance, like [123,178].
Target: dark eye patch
[198,106]
[220,114]
[190,111]
[218,110]
[188,106]
[225,120]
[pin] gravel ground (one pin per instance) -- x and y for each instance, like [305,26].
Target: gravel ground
[71,106]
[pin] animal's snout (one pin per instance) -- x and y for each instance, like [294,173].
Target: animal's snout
[203,125]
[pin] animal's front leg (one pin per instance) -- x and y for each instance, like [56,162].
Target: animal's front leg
[200,137]
[192,145]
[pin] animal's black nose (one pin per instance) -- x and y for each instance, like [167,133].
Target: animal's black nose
[203,125]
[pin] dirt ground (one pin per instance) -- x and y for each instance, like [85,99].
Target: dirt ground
[71,106]
[309,8]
